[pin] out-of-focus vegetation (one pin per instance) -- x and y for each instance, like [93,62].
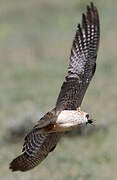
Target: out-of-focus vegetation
[35,41]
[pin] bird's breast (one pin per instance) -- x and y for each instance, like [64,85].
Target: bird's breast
[70,119]
[67,120]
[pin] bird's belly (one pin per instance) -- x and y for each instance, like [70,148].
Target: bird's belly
[68,120]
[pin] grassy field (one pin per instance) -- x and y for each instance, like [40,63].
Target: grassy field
[35,41]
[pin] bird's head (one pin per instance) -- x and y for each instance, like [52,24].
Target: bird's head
[88,121]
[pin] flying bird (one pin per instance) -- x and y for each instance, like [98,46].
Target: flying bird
[66,115]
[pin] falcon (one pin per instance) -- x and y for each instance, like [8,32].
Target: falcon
[66,115]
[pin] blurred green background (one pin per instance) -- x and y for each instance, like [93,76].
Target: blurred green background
[35,42]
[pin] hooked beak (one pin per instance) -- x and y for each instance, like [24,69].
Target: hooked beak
[90,121]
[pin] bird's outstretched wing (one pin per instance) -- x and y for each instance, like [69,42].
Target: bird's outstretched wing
[82,63]
[29,159]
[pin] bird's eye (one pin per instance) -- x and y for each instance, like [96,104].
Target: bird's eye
[87,116]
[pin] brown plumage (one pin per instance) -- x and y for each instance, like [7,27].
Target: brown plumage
[82,63]
[25,162]
[41,140]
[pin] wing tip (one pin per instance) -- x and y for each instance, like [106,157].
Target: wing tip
[91,17]
[18,164]
[92,5]
[13,166]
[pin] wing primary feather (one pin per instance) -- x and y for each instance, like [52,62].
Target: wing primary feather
[82,62]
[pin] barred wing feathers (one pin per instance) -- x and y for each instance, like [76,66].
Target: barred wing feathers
[32,143]
[82,63]
[27,161]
